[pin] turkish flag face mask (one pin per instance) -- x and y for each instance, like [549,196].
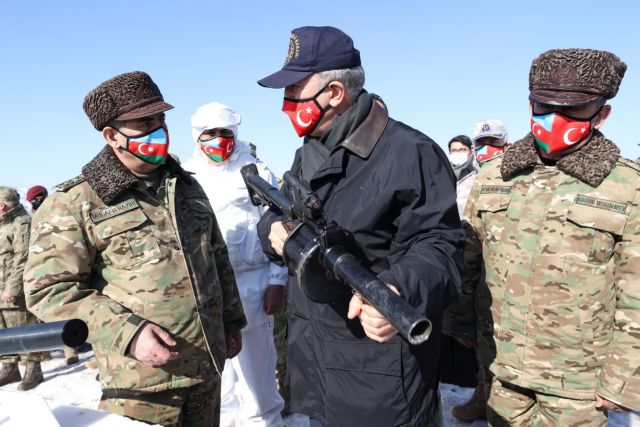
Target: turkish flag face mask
[305,114]
[484,153]
[218,149]
[152,147]
[556,132]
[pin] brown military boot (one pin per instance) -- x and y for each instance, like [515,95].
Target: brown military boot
[32,376]
[70,356]
[474,409]
[9,374]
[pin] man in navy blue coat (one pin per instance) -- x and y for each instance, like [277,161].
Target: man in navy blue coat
[394,189]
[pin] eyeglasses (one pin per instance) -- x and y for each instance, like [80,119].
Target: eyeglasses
[459,150]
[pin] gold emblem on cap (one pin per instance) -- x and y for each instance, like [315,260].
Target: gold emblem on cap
[294,48]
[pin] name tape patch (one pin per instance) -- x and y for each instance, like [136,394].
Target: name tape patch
[111,211]
[601,204]
[495,189]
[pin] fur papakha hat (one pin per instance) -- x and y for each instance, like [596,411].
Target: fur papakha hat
[575,77]
[124,97]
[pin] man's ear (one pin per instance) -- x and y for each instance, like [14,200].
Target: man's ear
[338,93]
[602,117]
[110,135]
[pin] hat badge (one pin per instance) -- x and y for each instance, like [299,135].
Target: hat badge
[294,48]
[486,127]
[563,73]
[145,91]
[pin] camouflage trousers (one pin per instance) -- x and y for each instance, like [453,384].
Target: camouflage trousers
[12,318]
[510,405]
[196,406]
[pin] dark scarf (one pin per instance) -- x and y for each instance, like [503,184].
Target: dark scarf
[316,150]
[464,169]
[591,164]
[109,178]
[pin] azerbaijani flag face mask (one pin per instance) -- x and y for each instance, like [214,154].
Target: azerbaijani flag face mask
[218,149]
[152,147]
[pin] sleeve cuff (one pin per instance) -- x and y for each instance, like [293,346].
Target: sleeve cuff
[621,391]
[129,329]
[240,323]
[277,275]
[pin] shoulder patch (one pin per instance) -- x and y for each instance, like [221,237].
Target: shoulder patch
[630,163]
[102,214]
[70,183]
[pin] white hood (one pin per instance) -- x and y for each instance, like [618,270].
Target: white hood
[214,115]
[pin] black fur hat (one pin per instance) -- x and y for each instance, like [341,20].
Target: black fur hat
[575,77]
[124,97]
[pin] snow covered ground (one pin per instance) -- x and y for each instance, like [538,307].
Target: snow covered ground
[72,393]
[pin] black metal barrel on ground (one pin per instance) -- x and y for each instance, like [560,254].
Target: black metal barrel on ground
[43,337]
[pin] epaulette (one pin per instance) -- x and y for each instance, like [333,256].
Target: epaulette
[630,163]
[69,184]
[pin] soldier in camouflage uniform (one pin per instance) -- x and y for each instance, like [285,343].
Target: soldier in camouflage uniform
[554,222]
[132,247]
[14,242]
[35,196]
[490,139]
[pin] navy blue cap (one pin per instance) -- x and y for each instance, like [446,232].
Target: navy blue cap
[313,49]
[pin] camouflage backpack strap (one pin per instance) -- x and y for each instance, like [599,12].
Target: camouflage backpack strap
[69,184]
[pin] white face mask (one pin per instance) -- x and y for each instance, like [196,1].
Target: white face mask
[458,159]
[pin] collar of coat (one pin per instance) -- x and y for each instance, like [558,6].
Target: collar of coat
[365,137]
[109,178]
[12,214]
[591,164]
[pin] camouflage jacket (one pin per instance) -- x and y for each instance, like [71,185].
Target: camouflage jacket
[14,244]
[561,250]
[108,250]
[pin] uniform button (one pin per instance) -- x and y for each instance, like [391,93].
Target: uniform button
[207,371]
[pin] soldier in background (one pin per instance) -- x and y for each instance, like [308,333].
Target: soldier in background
[554,222]
[469,319]
[132,247]
[35,196]
[15,223]
[461,156]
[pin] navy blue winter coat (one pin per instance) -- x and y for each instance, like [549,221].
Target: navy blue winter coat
[393,187]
